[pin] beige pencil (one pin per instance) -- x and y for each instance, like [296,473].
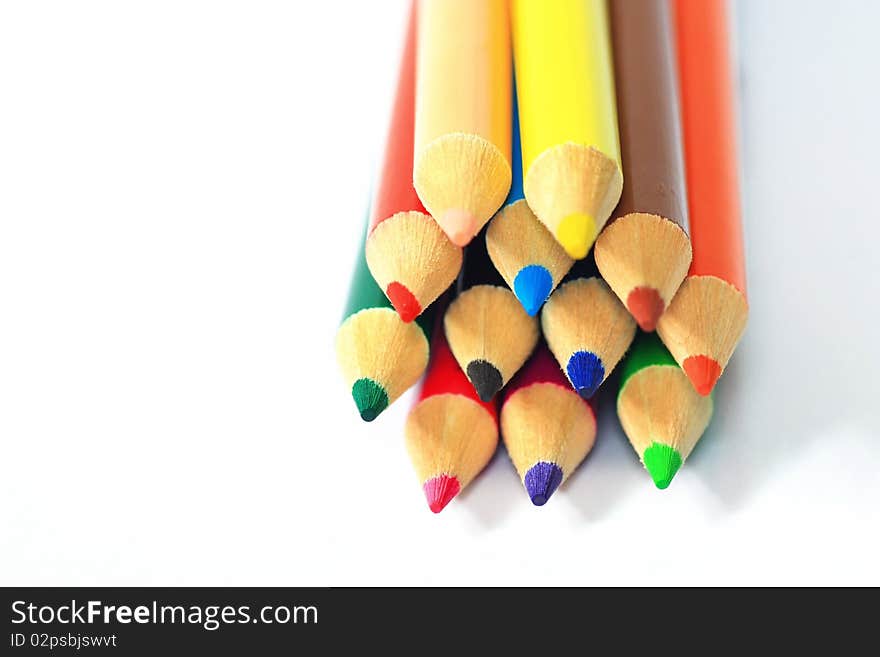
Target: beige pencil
[461,168]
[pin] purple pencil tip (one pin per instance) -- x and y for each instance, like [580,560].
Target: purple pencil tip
[541,480]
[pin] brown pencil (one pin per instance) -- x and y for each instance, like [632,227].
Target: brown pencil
[644,253]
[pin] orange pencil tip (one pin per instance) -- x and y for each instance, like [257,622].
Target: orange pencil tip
[646,306]
[703,373]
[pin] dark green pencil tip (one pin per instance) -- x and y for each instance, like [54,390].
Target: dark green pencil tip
[661,462]
[370,397]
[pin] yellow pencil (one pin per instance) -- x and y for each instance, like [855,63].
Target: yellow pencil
[568,116]
[461,168]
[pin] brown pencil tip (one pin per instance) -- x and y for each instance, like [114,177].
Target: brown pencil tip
[646,306]
[460,226]
[703,372]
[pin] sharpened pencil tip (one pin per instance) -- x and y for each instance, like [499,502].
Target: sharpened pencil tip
[645,305]
[703,373]
[404,302]
[576,234]
[586,372]
[532,286]
[661,462]
[440,490]
[370,398]
[460,226]
[485,378]
[541,480]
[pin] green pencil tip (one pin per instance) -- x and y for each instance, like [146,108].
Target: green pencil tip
[370,397]
[661,462]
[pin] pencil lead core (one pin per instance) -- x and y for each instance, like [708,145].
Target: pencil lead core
[485,378]
[586,372]
[646,305]
[576,234]
[661,462]
[404,302]
[703,372]
[532,286]
[370,397]
[440,490]
[541,480]
[459,225]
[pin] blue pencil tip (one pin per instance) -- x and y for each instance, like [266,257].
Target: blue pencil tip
[532,286]
[541,480]
[586,371]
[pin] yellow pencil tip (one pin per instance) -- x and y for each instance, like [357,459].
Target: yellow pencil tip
[576,233]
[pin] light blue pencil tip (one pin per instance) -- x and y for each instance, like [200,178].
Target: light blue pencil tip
[532,286]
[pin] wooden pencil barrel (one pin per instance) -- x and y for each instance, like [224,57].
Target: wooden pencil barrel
[568,116]
[462,132]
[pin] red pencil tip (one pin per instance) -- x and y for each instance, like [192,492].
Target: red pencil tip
[703,373]
[404,302]
[440,490]
[646,306]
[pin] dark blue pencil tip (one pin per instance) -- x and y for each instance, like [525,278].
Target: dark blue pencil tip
[586,371]
[541,480]
[532,286]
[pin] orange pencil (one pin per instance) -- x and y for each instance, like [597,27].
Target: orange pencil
[408,254]
[708,315]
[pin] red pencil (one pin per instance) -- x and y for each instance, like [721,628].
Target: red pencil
[408,254]
[450,434]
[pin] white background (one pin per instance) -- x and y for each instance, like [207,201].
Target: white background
[182,188]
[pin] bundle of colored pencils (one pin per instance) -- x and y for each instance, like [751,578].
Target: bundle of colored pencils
[559,181]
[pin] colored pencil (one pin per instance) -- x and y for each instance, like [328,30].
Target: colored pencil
[644,252]
[547,428]
[568,118]
[708,315]
[380,355]
[587,328]
[488,330]
[660,412]
[523,251]
[408,254]
[462,140]
[450,434]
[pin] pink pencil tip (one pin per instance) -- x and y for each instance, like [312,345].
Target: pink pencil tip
[440,490]
[703,373]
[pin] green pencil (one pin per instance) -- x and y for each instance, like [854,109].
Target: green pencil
[661,413]
[380,355]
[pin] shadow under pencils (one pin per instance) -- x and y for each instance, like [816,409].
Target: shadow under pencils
[491,497]
[611,470]
[804,370]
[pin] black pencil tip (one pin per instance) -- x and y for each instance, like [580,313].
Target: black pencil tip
[485,377]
